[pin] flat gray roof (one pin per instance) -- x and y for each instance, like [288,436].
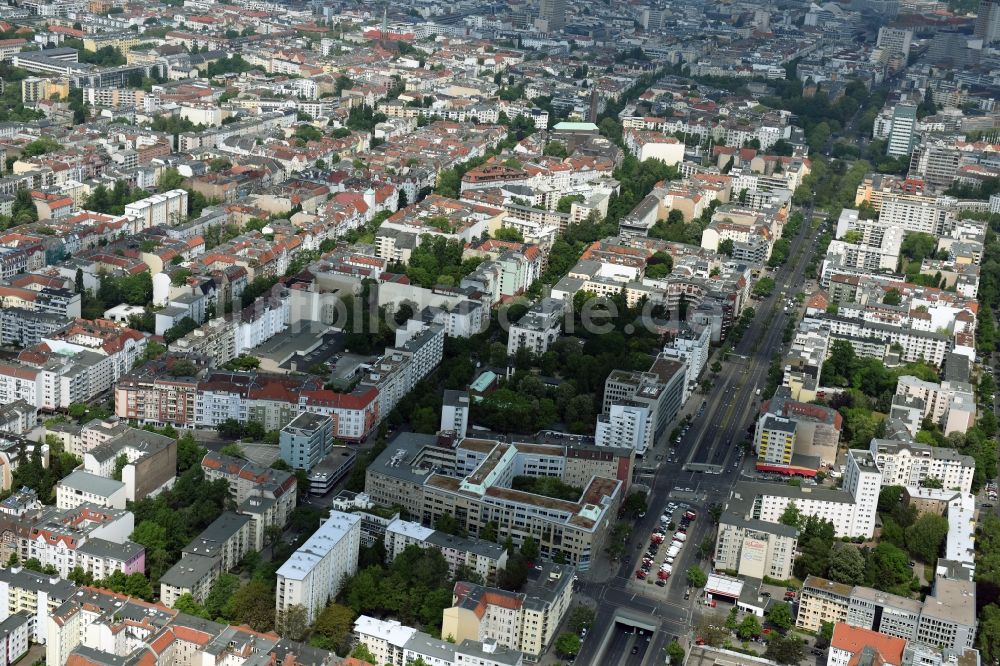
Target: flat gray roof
[91,483]
[189,571]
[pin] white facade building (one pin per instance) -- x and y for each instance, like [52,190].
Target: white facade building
[82,487]
[911,463]
[625,425]
[316,571]
[167,209]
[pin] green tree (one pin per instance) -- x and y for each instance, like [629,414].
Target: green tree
[846,565]
[825,635]
[252,604]
[989,634]
[555,149]
[887,568]
[696,577]
[791,516]
[293,623]
[925,536]
[529,549]
[764,287]
[568,644]
[780,615]
[581,617]
[675,653]
[362,652]
[785,650]
[332,630]
[749,628]
[634,504]
[222,590]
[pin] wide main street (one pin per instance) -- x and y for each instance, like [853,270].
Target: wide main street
[707,468]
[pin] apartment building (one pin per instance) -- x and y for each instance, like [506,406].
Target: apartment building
[483,557]
[219,548]
[166,209]
[526,621]
[916,344]
[224,338]
[26,328]
[455,407]
[855,645]
[537,329]
[691,347]
[803,365]
[950,404]
[33,594]
[910,463]
[15,637]
[249,481]
[851,509]
[315,572]
[774,441]
[755,548]
[151,395]
[82,487]
[472,482]
[89,630]
[148,461]
[418,350]
[385,639]
[393,643]
[916,213]
[89,536]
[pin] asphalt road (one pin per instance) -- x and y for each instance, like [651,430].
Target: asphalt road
[733,401]
[711,440]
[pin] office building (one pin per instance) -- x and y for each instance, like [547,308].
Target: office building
[894,41]
[331,469]
[306,441]
[945,619]
[316,571]
[472,481]
[903,134]
[988,21]
[553,13]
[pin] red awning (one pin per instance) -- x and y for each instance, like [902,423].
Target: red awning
[790,470]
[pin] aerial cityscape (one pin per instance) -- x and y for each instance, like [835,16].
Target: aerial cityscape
[534,332]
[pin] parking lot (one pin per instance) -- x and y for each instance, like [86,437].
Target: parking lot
[665,544]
